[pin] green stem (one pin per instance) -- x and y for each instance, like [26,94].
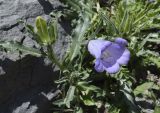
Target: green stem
[53,57]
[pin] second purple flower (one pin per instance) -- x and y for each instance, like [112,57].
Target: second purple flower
[109,55]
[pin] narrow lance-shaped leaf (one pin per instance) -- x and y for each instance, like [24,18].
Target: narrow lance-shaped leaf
[154,40]
[143,87]
[73,4]
[31,30]
[127,23]
[13,46]
[59,102]
[52,30]
[78,37]
[109,23]
[88,100]
[141,45]
[125,16]
[69,96]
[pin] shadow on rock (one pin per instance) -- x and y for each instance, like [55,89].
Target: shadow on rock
[47,6]
[24,85]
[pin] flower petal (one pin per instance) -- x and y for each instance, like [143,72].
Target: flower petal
[108,62]
[96,46]
[98,66]
[115,50]
[123,60]
[109,55]
[121,41]
[110,65]
[113,69]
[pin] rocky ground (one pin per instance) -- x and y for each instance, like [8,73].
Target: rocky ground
[26,84]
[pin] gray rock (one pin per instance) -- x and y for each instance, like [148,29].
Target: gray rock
[26,84]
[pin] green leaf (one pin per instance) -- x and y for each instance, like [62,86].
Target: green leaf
[42,31]
[84,86]
[125,17]
[78,37]
[154,40]
[15,46]
[109,23]
[127,99]
[79,110]
[61,80]
[74,4]
[69,96]
[133,16]
[141,45]
[59,102]
[87,100]
[53,31]
[157,109]
[152,57]
[155,60]
[30,29]
[143,87]
[156,87]
[78,6]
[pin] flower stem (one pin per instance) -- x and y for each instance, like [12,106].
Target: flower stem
[53,58]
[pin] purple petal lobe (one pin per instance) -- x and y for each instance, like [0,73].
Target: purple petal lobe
[98,66]
[113,69]
[115,50]
[123,60]
[121,41]
[96,46]
[108,62]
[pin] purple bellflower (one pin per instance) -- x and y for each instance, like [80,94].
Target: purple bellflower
[109,55]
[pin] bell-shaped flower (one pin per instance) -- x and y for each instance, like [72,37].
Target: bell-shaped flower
[109,55]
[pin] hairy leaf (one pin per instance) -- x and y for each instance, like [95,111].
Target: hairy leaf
[42,31]
[15,46]
[143,87]
[78,37]
[70,95]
